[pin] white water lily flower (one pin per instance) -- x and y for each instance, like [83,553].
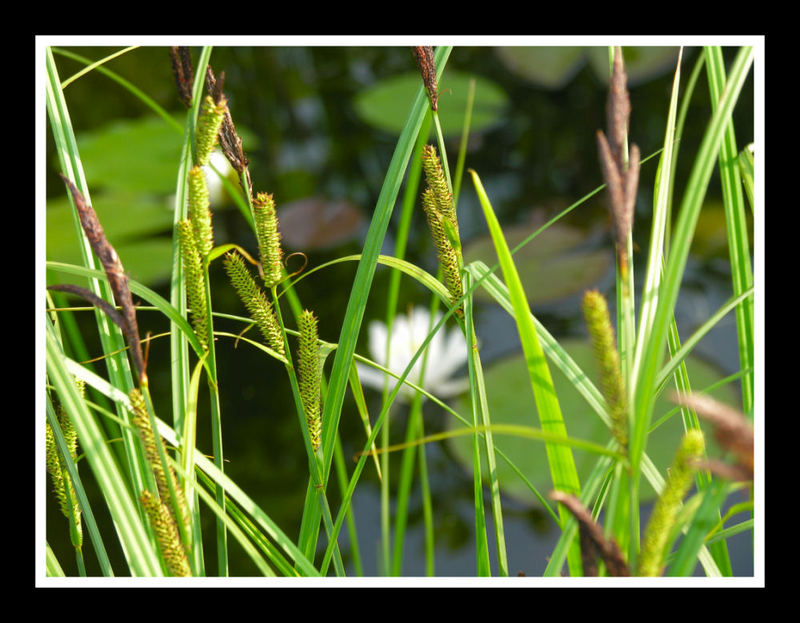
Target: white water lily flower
[447,352]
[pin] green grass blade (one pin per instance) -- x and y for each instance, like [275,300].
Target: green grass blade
[653,351]
[142,559]
[560,459]
[736,227]
[481,417]
[359,293]
[111,338]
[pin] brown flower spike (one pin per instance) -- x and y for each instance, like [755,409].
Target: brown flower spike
[622,179]
[593,542]
[117,278]
[424,57]
[733,431]
[182,70]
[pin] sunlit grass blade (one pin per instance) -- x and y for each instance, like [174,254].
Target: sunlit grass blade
[560,459]
[481,417]
[136,546]
[111,338]
[736,227]
[653,350]
[52,566]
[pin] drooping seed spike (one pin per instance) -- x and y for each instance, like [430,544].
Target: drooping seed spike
[117,279]
[593,541]
[255,301]
[167,535]
[269,238]
[195,280]
[59,477]
[164,477]
[679,480]
[437,181]
[199,211]
[309,375]
[182,71]
[208,125]
[604,344]
[448,258]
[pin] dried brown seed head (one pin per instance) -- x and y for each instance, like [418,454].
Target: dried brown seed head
[424,57]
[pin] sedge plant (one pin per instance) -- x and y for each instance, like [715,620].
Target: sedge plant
[158,486]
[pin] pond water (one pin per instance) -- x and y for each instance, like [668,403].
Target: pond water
[318,142]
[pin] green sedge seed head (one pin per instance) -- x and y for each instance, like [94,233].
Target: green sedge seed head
[195,280]
[254,300]
[604,344]
[208,125]
[199,211]
[437,182]
[269,238]
[448,256]
[167,535]
[665,511]
[310,375]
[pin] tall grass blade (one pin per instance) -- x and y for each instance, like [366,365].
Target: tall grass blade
[136,546]
[653,350]
[736,227]
[359,292]
[560,459]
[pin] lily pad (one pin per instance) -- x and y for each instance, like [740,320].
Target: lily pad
[386,104]
[132,223]
[551,266]
[548,67]
[132,155]
[316,223]
[510,401]
[554,67]
[642,62]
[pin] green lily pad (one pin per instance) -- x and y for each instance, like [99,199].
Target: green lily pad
[551,266]
[386,104]
[554,67]
[510,401]
[132,155]
[642,63]
[548,67]
[132,223]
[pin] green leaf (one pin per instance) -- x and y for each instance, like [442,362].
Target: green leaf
[560,458]
[507,386]
[385,105]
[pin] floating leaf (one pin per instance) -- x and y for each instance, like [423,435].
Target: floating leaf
[511,402]
[548,67]
[551,266]
[131,222]
[315,223]
[642,63]
[132,155]
[554,67]
[385,105]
